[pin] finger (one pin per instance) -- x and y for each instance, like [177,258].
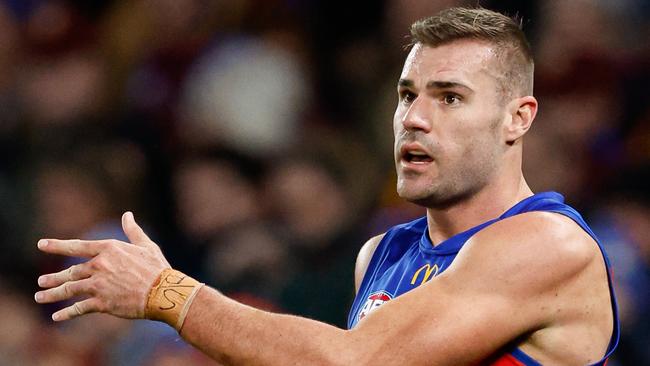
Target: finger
[72,248]
[77,309]
[133,231]
[72,273]
[63,292]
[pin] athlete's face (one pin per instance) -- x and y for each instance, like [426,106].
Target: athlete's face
[447,122]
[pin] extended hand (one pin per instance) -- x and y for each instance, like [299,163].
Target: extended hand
[116,279]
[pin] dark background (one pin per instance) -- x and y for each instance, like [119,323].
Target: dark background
[253,141]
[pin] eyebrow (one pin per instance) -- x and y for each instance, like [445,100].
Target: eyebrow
[405,82]
[435,84]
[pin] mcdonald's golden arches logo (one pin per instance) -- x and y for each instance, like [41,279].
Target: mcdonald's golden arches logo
[429,272]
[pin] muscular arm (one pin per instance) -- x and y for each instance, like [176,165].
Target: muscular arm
[495,291]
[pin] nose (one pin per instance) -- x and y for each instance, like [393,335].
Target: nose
[417,117]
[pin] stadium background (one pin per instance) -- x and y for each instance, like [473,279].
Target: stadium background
[252,139]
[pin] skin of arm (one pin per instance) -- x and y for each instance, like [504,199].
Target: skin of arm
[491,294]
[363,259]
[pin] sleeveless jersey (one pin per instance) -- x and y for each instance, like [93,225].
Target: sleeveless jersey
[405,258]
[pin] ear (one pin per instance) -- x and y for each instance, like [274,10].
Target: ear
[522,112]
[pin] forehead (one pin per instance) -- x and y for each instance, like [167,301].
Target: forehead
[468,61]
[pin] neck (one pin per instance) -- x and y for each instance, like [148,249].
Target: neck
[489,203]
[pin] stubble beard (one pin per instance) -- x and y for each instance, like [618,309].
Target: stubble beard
[442,196]
[438,195]
[453,185]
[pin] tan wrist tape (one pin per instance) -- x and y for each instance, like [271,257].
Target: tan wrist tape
[170,297]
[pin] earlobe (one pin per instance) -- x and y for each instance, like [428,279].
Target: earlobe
[523,113]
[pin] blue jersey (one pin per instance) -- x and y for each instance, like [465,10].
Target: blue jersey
[405,258]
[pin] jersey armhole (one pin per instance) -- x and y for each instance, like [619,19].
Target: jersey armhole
[368,276]
[616,328]
[366,253]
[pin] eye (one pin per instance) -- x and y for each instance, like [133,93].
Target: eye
[407,96]
[450,99]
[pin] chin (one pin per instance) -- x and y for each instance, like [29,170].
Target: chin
[413,194]
[430,197]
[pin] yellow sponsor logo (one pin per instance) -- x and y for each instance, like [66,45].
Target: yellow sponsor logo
[429,272]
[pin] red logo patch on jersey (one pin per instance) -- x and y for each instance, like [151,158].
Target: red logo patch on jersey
[375,300]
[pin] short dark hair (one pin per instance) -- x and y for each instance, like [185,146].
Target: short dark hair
[503,32]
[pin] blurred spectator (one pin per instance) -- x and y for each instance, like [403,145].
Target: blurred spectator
[246,94]
[309,202]
[245,261]
[174,353]
[19,333]
[63,90]
[212,195]
[622,221]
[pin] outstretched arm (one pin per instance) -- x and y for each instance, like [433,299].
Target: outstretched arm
[488,297]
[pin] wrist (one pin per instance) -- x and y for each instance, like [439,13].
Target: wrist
[170,297]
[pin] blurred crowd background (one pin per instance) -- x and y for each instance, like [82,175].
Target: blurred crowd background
[253,141]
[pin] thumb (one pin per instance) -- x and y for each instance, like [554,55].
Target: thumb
[133,231]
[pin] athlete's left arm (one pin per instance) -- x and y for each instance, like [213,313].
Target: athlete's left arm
[497,289]
[509,280]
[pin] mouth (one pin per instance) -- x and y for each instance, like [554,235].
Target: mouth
[413,154]
[417,157]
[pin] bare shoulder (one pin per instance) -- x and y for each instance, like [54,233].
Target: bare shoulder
[528,255]
[531,258]
[363,259]
[541,237]
[553,273]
